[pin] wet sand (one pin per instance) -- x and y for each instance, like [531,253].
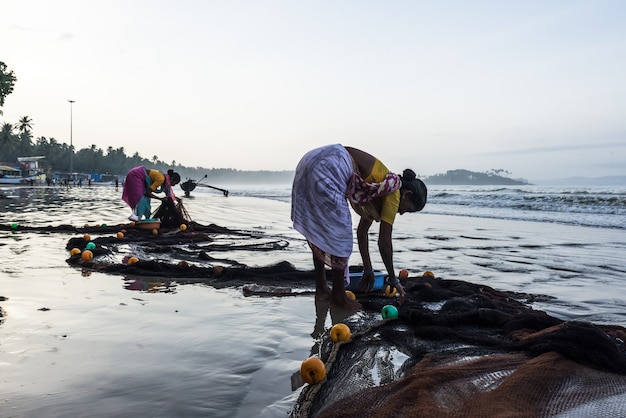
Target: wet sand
[77,343]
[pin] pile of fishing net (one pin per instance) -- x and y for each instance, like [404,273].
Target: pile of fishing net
[179,250]
[172,213]
[188,256]
[459,349]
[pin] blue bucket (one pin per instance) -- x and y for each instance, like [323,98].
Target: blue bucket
[355,279]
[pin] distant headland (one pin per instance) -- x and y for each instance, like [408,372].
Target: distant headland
[451,177]
[465,177]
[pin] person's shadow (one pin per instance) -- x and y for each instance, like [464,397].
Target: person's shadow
[337,315]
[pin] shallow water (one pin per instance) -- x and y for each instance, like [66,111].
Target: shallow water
[79,343]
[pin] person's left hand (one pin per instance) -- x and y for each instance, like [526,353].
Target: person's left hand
[367,282]
[401,293]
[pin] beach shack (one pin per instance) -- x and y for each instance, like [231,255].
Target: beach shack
[26,171]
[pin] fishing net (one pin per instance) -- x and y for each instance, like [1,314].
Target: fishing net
[463,350]
[184,255]
[457,349]
[172,213]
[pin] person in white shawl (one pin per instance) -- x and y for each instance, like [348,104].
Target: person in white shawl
[326,179]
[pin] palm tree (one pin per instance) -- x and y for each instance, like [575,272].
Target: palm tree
[25,124]
[7,138]
[24,139]
[25,143]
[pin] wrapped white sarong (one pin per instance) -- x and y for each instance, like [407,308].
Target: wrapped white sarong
[319,208]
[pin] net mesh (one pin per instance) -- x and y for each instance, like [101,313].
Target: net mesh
[172,213]
[463,350]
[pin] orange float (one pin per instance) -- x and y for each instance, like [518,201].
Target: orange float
[340,332]
[350,295]
[313,370]
[87,255]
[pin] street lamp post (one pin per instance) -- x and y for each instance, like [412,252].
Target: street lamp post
[71,142]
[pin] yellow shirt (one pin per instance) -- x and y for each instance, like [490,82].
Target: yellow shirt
[382,208]
[156,178]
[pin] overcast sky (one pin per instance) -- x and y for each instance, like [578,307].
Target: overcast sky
[537,88]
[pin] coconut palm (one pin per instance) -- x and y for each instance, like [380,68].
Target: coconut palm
[25,143]
[7,138]
[25,124]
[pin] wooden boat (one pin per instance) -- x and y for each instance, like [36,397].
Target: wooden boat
[189,185]
[11,175]
[26,172]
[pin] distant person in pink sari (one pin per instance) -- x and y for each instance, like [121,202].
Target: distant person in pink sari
[140,186]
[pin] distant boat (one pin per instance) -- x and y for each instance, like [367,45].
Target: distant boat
[27,175]
[10,175]
[189,185]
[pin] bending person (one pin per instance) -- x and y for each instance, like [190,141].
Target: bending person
[326,179]
[142,184]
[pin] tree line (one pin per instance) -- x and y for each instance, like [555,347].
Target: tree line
[17,140]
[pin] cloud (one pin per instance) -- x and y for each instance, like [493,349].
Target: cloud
[557,148]
[66,36]
[26,29]
[62,36]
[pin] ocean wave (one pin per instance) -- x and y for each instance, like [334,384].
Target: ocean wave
[590,206]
